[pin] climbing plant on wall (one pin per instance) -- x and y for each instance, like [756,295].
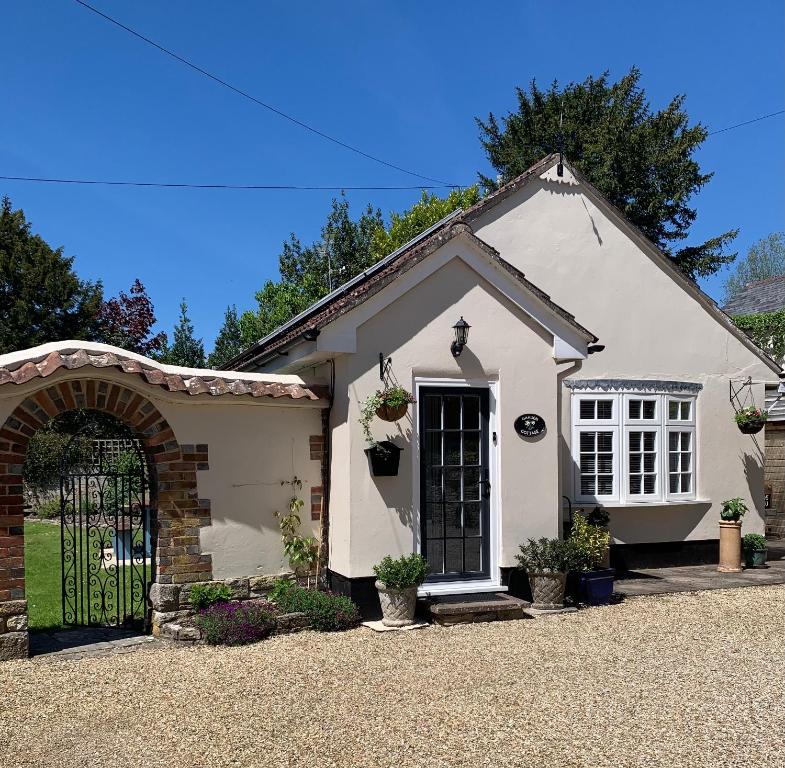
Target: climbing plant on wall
[767,330]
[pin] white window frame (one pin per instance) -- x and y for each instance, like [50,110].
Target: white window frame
[621,425]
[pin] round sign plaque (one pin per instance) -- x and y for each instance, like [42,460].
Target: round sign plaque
[529,425]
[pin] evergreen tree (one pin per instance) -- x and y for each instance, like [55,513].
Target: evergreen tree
[642,161]
[41,298]
[186,350]
[766,258]
[229,341]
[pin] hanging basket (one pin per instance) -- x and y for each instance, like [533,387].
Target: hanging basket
[392,412]
[751,426]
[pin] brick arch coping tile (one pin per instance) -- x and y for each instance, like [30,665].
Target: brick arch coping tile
[178,512]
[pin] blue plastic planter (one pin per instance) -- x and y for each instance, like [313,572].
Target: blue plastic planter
[596,587]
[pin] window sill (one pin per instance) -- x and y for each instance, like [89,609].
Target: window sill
[636,504]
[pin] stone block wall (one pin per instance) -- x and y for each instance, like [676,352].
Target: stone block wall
[774,478]
[13,630]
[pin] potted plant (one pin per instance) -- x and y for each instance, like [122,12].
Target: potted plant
[546,561]
[730,535]
[397,582]
[754,546]
[592,583]
[751,419]
[599,517]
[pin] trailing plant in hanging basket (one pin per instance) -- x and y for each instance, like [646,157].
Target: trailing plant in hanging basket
[388,404]
[751,419]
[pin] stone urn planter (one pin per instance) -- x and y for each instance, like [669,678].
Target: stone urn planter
[547,589]
[398,605]
[730,546]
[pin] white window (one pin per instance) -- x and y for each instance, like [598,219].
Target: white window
[633,448]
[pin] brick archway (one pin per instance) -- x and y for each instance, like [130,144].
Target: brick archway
[179,512]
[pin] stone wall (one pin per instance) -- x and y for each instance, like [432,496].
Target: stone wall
[774,479]
[13,630]
[172,609]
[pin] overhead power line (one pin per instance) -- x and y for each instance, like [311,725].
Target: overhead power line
[256,101]
[294,187]
[747,122]
[182,185]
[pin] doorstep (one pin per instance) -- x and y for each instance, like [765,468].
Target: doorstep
[448,610]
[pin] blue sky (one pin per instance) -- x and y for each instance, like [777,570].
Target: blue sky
[403,80]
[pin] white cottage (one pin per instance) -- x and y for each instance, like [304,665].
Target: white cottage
[575,318]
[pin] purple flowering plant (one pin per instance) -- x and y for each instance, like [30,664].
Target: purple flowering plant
[237,623]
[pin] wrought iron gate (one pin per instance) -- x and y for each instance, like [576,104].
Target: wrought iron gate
[105,536]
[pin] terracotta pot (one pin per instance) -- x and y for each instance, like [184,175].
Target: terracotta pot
[398,605]
[547,590]
[730,546]
[392,413]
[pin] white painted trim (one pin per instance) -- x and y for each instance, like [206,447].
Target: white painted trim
[459,588]
[494,473]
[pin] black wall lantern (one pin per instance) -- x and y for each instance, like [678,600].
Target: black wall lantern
[461,329]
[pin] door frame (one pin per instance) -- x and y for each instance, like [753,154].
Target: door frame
[493,583]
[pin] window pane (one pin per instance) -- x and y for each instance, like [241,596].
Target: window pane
[673,462]
[649,483]
[635,441]
[588,485]
[605,462]
[588,442]
[673,441]
[605,485]
[635,463]
[433,412]
[587,409]
[434,554]
[473,560]
[433,448]
[649,439]
[649,462]
[471,412]
[605,409]
[454,555]
[452,519]
[471,447]
[433,520]
[635,484]
[649,409]
[685,441]
[452,412]
[686,483]
[686,462]
[588,463]
[471,483]
[685,410]
[433,485]
[452,448]
[605,441]
[452,484]
[471,518]
[673,409]
[634,410]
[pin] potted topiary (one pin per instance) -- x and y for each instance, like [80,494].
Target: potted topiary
[397,582]
[546,561]
[754,546]
[751,419]
[730,535]
[591,582]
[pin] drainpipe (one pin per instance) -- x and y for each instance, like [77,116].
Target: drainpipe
[322,558]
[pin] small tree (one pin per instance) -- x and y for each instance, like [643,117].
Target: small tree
[186,350]
[229,342]
[127,320]
[765,258]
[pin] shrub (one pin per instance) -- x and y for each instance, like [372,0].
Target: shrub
[754,542]
[407,571]
[325,611]
[202,596]
[49,509]
[236,623]
[589,543]
[548,555]
[733,509]
[599,516]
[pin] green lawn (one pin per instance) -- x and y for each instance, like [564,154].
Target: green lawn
[43,576]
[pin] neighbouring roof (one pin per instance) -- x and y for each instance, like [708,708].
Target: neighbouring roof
[41,362]
[535,172]
[759,296]
[370,282]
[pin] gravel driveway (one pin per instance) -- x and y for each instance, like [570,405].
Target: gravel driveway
[694,679]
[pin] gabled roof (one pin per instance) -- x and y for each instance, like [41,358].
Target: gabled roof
[370,282]
[42,361]
[759,296]
[535,172]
